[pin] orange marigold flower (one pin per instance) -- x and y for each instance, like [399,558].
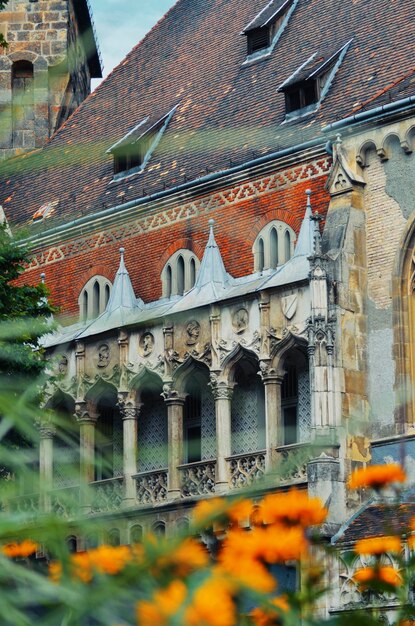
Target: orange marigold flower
[293,508]
[55,571]
[187,557]
[385,574]
[378,545]
[377,476]
[165,604]
[268,616]
[102,560]
[212,604]
[240,511]
[25,548]
[209,510]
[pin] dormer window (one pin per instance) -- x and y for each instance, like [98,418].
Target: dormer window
[301,95]
[133,151]
[266,28]
[308,86]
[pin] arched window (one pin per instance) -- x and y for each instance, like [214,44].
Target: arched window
[72,544]
[159,529]
[179,273]
[273,246]
[113,537]
[152,433]
[261,255]
[107,291]
[168,281]
[287,246]
[22,105]
[94,297]
[192,272]
[136,534]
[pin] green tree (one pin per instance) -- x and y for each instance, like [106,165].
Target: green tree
[25,315]
[3,42]
[24,311]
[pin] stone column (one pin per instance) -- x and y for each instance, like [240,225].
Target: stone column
[175,405]
[129,413]
[47,432]
[87,420]
[222,392]
[274,425]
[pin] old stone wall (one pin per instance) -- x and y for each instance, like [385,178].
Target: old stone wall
[45,34]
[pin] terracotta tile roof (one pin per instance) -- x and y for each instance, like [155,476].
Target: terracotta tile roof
[227,111]
[379,519]
[270,12]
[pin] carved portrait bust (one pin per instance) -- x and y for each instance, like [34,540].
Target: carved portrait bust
[192,332]
[63,364]
[146,343]
[103,355]
[240,321]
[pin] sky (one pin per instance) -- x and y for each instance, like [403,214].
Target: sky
[121,24]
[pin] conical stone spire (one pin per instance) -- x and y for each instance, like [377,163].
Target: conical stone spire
[212,269]
[305,241]
[122,294]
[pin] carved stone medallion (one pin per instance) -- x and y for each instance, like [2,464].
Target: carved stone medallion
[63,364]
[240,321]
[146,344]
[192,332]
[103,356]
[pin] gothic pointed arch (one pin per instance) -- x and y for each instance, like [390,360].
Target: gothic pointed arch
[143,378]
[189,366]
[404,327]
[282,348]
[100,388]
[59,399]
[239,353]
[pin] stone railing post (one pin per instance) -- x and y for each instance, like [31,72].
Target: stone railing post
[87,420]
[47,432]
[222,393]
[274,427]
[129,414]
[175,406]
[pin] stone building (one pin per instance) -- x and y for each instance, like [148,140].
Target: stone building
[254,162]
[46,70]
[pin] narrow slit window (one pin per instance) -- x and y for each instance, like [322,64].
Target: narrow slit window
[168,281]
[95,299]
[192,277]
[287,245]
[273,248]
[261,255]
[180,275]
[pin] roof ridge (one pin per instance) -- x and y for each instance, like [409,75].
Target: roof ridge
[380,92]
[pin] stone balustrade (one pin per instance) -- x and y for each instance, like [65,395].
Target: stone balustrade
[245,469]
[65,502]
[107,495]
[197,479]
[151,487]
